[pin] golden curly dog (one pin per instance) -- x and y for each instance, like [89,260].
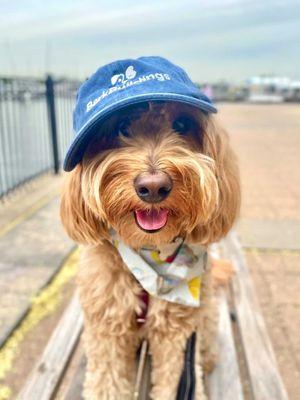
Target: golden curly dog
[166,159]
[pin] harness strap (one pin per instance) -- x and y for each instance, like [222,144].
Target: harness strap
[144,298]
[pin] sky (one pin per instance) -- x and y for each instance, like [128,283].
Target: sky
[213,40]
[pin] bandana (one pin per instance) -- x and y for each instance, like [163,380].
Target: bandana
[173,273]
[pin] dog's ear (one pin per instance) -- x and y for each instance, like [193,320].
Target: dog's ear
[217,147]
[81,224]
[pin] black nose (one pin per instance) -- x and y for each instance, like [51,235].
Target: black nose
[153,187]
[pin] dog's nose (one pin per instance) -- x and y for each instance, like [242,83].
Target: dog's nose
[153,187]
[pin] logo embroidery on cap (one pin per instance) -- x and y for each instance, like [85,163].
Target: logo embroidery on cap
[130,73]
[123,81]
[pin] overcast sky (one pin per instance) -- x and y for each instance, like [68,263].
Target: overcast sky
[212,39]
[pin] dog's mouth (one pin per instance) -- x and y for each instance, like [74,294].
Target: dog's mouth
[151,220]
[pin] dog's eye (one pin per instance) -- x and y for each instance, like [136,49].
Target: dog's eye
[182,124]
[123,127]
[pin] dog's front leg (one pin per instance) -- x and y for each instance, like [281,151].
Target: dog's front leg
[167,364]
[110,366]
[170,327]
[109,298]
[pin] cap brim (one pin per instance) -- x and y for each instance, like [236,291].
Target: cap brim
[81,141]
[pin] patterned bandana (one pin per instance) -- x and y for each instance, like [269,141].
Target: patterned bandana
[173,273]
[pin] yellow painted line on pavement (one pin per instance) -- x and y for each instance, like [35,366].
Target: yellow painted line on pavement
[261,250]
[41,305]
[5,392]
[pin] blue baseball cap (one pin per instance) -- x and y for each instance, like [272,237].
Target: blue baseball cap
[123,83]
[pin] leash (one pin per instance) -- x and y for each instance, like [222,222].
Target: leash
[187,382]
[144,298]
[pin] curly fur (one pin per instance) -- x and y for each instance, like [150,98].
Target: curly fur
[99,195]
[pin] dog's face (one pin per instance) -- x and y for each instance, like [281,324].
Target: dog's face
[156,171]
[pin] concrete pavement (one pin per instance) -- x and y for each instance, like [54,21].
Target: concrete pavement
[33,246]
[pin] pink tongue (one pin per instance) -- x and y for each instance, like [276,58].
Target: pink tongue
[151,220]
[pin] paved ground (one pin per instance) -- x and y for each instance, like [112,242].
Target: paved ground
[267,141]
[32,247]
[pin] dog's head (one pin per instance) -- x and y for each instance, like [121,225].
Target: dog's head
[156,171]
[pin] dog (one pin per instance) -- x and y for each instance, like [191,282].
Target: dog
[159,171]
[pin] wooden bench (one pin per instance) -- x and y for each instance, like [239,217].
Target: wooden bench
[246,369]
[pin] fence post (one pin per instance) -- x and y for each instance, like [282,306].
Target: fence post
[50,97]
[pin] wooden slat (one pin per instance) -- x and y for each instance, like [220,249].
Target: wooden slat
[49,369]
[76,386]
[224,382]
[261,362]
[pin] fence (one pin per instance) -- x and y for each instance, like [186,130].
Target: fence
[35,127]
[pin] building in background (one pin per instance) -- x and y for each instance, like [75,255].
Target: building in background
[272,89]
[225,91]
[257,89]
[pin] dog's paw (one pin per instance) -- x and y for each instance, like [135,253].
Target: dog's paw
[222,272]
[210,359]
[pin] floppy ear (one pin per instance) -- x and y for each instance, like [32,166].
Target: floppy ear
[216,146]
[81,224]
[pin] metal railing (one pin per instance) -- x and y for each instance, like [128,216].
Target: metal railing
[35,127]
